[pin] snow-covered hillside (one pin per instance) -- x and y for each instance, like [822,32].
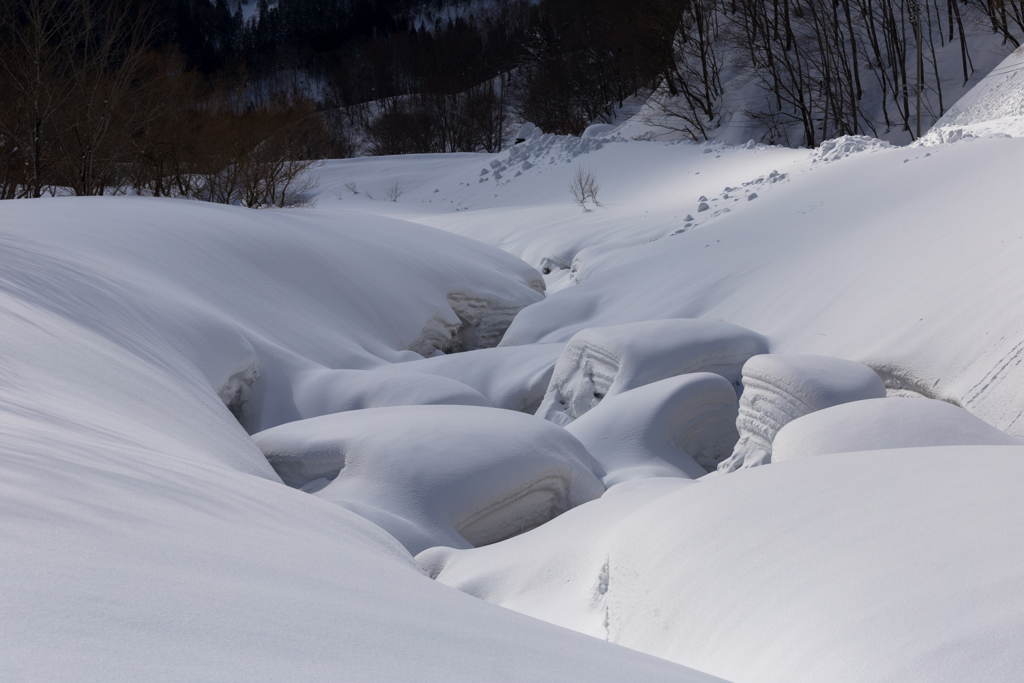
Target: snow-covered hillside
[242,445]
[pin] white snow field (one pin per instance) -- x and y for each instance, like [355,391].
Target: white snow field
[149,349]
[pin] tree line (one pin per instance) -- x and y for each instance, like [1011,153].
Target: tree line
[185,98]
[813,61]
[92,105]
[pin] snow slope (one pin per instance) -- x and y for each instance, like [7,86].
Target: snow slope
[144,532]
[993,107]
[897,565]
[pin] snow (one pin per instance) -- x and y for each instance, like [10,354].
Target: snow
[510,377]
[780,388]
[437,475]
[995,107]
[890,565]
[677,427]
[150,347]
[884,423]
[144,531]
[605,361]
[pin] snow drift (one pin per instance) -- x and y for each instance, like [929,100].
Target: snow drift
[437,475]
[884,423]
[778,389]
[605,361]
[677,427]
[819,569]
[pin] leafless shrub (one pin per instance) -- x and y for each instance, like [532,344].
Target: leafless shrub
[584,187]
[351,187]
[394,192]
[368,195]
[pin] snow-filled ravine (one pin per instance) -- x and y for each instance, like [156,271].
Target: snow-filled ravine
[754,415]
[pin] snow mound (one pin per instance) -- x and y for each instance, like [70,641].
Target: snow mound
[884,423]
[316,391]
[778,389]
[510,377]
[845,145]
[993,107]
[605,361]
[437,475]
[549,148]
[821,570]
[677,427]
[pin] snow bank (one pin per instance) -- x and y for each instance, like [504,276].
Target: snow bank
[884,423]
[778,389]
[845,145]
[605,361]
[437,475]
[677,427]
[818,570]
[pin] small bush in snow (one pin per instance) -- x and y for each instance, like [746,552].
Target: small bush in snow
[583,187]
[394,192]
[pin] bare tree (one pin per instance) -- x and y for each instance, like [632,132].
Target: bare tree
[103,111]
[35,39]
[584,187]
[394,192]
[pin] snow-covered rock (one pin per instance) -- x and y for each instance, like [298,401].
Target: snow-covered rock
[778,389]
[510,377]
[874,566]
[884,423]
[605,361]
[526,131]
[293,388]
[437,475]
[676,427]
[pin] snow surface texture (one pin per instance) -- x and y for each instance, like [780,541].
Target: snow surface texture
[677,427]
[994,107]
[895,565]
[883,423]
[605,361]
[437,475]
[778,389]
